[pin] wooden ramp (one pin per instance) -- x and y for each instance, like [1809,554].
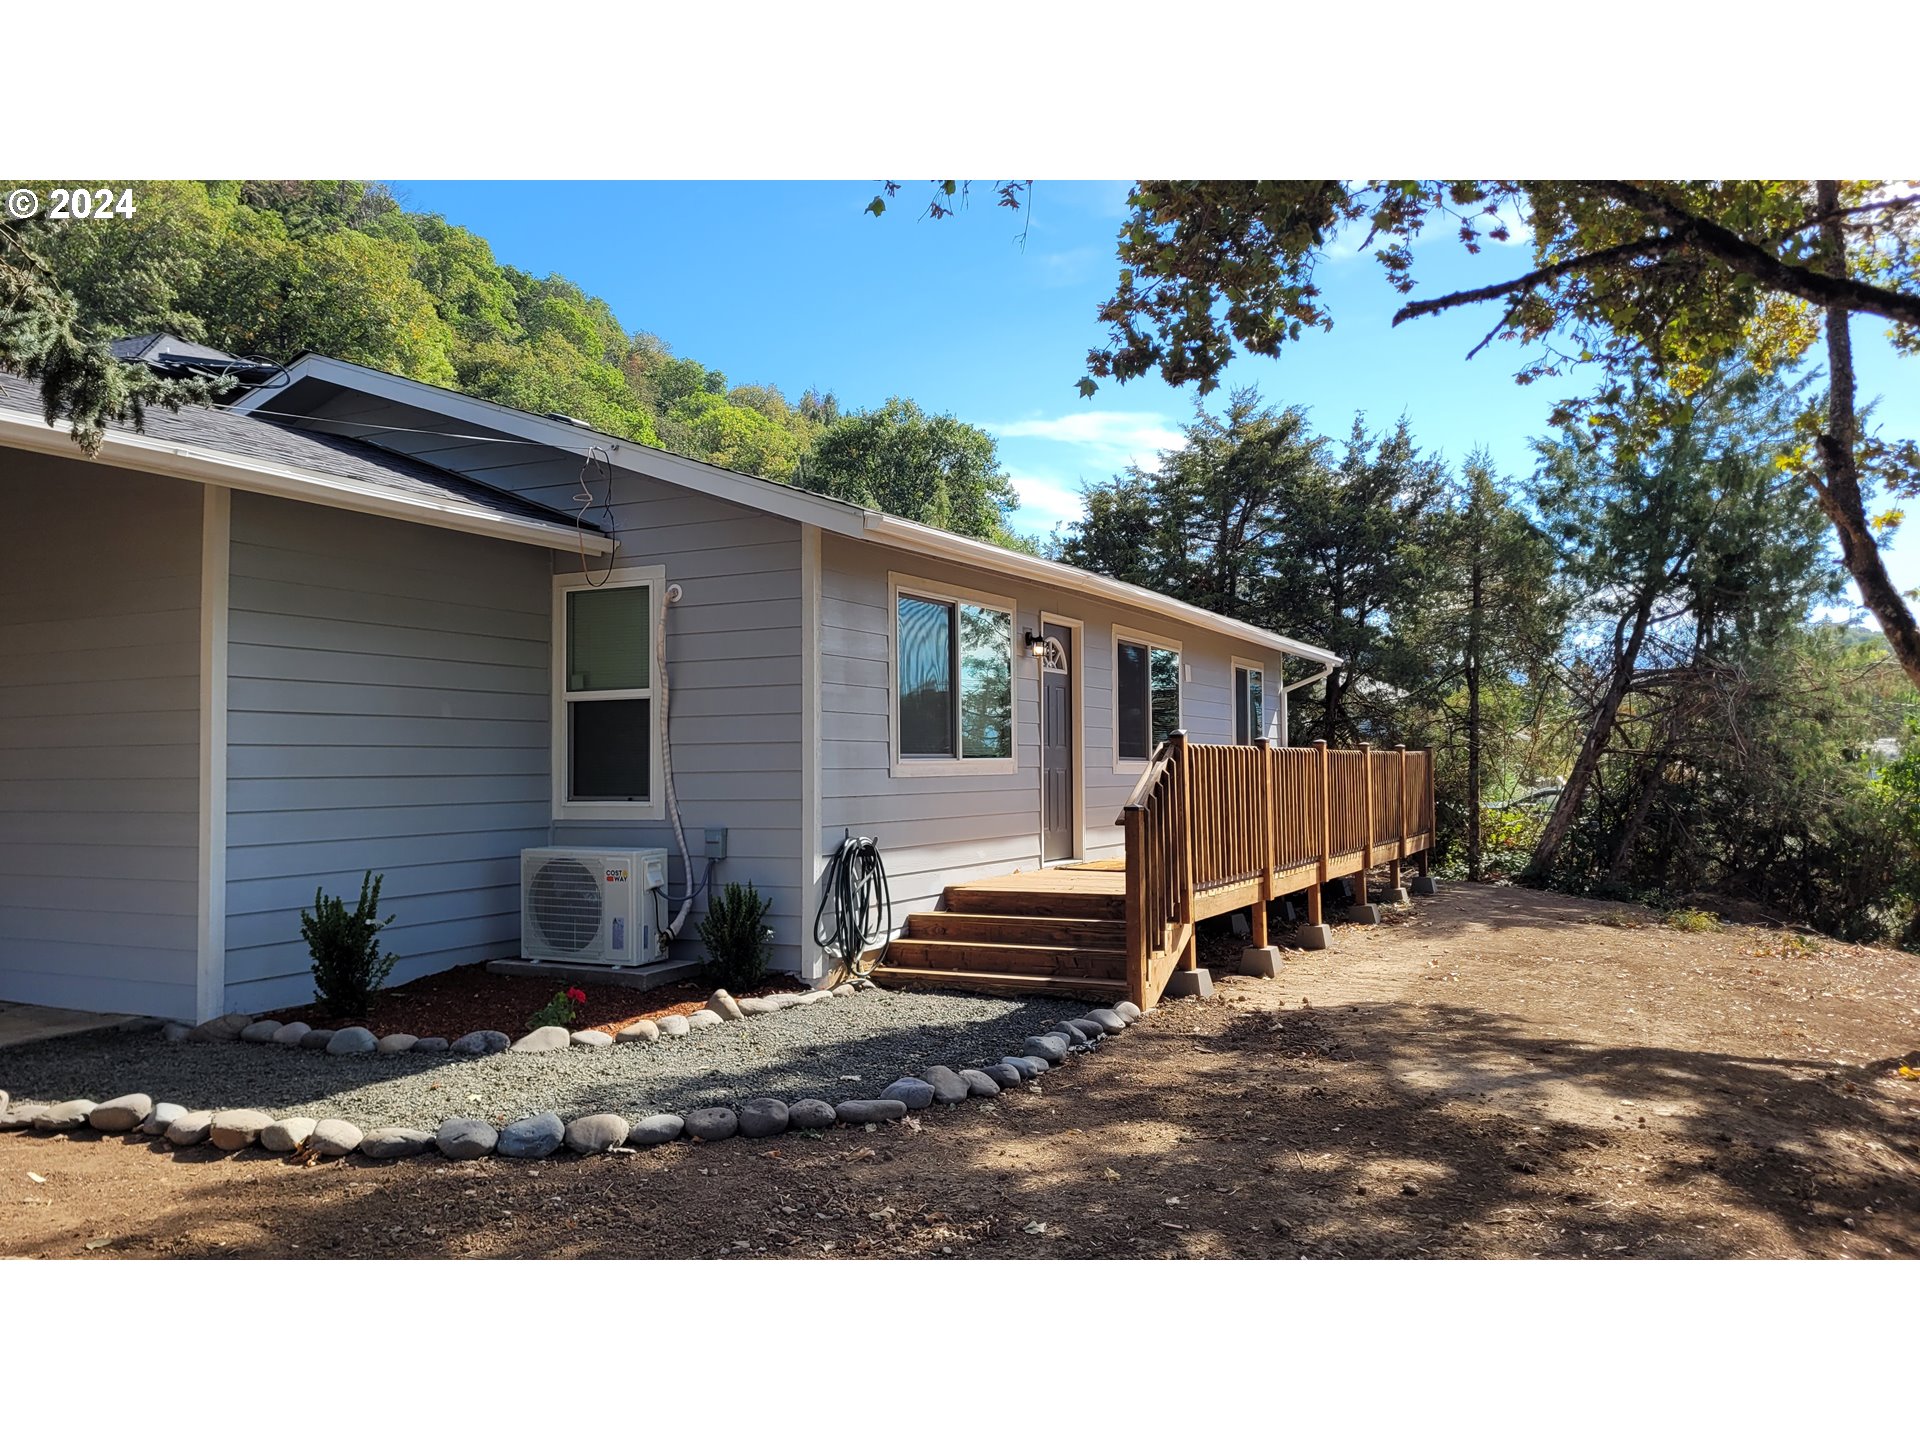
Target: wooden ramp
[1061,931]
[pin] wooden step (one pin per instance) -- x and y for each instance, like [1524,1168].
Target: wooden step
[903,977]
[1017,929]
[1059,904]
[1004,959]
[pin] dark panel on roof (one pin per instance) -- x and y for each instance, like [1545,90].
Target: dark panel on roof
[251,438]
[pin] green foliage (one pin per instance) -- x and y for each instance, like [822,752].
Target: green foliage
[1508,834]
[563,1009]
[735,934]
[1687,274]
[1693,922]
[930,468]
[1488,627]
[1258,518]
[1744,758]
[1762,780]
[339,267]
[348,968]
[1693,552]
[42,338]
[1682,277]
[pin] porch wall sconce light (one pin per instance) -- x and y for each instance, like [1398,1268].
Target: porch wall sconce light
[1036,645]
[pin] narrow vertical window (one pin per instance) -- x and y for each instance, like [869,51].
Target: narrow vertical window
[1165,666]
[1130,662]
[1146,697]
[1249,704]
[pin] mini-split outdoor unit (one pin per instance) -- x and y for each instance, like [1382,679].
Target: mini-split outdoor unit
[592,907]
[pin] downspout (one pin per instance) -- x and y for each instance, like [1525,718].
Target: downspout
[1286,690]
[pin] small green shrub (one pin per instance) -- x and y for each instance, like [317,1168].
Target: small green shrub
[348,968]
[738,942]
[563,1009]
[1694,922]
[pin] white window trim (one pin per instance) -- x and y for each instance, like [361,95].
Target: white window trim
[653,577]
[1077,690]
[1259,667]
[1152,641]
[941,592]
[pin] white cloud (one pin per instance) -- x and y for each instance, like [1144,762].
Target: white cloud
[1126,434]
[1044,503]
[1048,457]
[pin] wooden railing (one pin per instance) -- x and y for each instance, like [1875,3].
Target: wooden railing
[1347,817]
[1160,895]
[1213,828]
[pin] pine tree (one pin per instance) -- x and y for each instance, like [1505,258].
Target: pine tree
[1493,616]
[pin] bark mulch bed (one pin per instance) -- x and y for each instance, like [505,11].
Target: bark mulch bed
[458,1001]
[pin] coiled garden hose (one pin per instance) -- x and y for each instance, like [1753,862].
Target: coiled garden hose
[861,904]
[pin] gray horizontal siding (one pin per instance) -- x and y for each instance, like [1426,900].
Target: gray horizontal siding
[938,830]
[99,736]
[733,665]
[387,711]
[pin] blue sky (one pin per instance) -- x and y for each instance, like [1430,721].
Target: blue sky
[790,283]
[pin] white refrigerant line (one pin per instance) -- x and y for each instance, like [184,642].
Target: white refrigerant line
[673,594]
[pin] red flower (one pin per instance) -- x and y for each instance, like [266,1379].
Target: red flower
[579,997]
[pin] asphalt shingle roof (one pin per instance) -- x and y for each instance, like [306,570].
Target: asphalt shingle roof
[255,438]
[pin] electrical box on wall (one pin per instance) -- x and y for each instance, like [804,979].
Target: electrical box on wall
[716,844]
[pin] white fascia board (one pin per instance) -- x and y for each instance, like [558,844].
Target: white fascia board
[769,496]
[926,540]
[128,451]
[749,490]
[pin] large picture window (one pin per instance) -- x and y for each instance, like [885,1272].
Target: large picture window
[953,679]
[605,742]
[1146,681]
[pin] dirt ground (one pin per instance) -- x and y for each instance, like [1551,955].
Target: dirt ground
[1503,1073]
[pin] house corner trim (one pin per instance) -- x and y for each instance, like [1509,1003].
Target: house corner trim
[812,862]
[216,533]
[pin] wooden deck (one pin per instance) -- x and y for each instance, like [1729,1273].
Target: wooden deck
[1210,829]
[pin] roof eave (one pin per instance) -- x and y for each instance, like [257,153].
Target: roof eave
[22,431]
[753,491]
[927,540]
[773,497]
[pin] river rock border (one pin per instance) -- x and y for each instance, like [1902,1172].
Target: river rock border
[358,1040]
[534,1137]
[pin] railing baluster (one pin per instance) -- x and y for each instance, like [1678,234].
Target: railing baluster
[1211,818]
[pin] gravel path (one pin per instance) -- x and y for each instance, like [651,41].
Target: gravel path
[845,1048]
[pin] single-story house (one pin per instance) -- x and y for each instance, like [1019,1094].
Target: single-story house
[348,621]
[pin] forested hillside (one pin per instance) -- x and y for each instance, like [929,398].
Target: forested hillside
[277,267]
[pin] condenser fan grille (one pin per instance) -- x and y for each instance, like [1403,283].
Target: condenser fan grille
[565,903]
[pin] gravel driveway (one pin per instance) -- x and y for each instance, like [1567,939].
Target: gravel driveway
[849,1047]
